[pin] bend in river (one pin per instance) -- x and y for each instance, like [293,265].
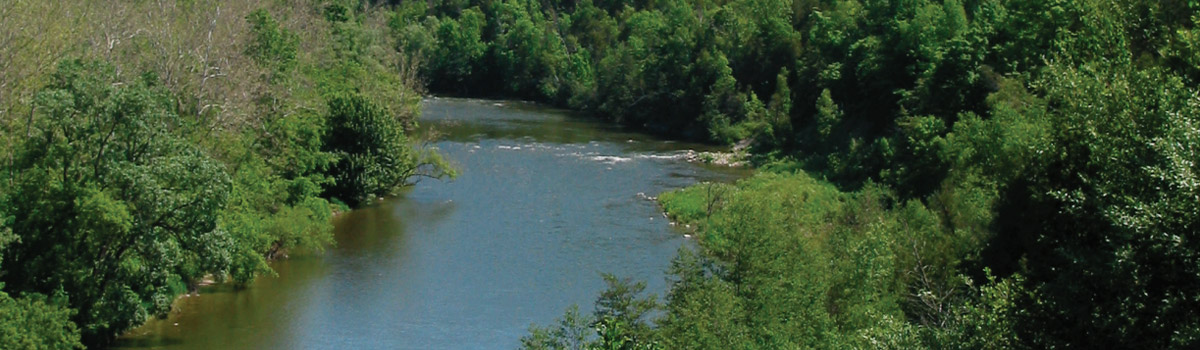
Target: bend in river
[544,203]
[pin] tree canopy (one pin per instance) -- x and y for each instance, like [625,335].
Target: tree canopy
[933,173]
[131,176]
[993,173]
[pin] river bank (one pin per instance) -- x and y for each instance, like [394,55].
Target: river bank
[545,202]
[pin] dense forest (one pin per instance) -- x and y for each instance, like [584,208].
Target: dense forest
[152,146]
[933,173]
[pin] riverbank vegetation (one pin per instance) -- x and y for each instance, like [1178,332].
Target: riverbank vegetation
[937,173]
[151,145]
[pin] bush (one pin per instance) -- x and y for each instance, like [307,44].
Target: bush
[374,157]
[33,323]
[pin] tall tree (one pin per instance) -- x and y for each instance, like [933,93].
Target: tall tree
[112,207]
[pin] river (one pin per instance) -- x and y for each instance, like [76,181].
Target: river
[544,203]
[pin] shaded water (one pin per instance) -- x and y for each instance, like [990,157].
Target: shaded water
[544,203]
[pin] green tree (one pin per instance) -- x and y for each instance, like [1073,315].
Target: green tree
[1047,142]
[828,115]
[272,46]
[571,332]
[1114,254]
[112,207]
[460,47]
[374,155]
[779,112]
[620,303]
[36,324]
[619,322]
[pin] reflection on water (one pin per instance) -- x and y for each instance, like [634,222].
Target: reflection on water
[544,203]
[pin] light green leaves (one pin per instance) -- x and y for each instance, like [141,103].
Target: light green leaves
[34,323]
[107,172]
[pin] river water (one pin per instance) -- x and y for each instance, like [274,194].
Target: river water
[545,202]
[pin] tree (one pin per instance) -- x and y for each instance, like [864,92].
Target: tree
[618,322]
[112,207]
[779,111]
[34,323]
[621,304]
[1113,259]
[374,157]
[273,46]
[459,49]
[828,115]
[571,332]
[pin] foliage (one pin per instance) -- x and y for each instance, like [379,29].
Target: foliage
[106,170]
[695,204]
[1041,148]
[618,322]
[123,189]
[373,152]
[1121,183]
[571,332]
[949,173]
[828,115]
[34,323]
[272,46]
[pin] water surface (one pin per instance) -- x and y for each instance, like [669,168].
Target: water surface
[545,202]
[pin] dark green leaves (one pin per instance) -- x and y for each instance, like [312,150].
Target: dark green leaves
[459,49]
[107,171]
[374,155]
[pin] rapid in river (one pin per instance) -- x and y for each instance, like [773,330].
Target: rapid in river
[544,203]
